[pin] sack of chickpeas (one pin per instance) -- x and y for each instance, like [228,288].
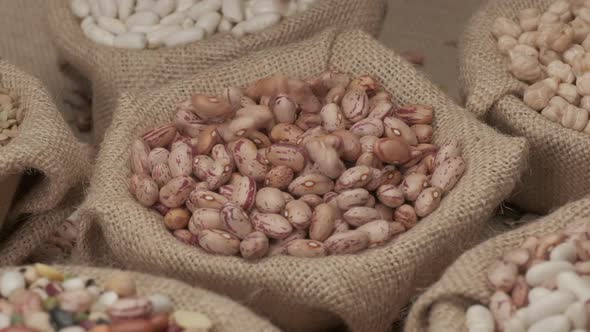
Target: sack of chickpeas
[530,279]
[42,297]
[136,45]
[351,248]
[36,146]
[24,32]
[524,69]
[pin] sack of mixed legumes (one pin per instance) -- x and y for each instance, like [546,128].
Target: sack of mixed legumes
[114,70]
[36,145]
[364,290]
[469,280]
[500,58]
[44,297]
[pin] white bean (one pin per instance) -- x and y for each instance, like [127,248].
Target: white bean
[515,324]
[144,5]
[184,5]
[552,304]
[542,272]
[185,36]
[224,25]
[479,319]
[94,8]
[576,313]
[143,18]
[125,9]
[133,40]
[257,23]
[204,7]
[538,293]
[173,19]
[156,38]
[163,7]
[80,8]
[144,28]
[87,22]
[98,35]
[564,252]
[108,8]
[112,25]
[209,22]
[569,281]
[188,23]
[233,10]
[268,6]
[557,323]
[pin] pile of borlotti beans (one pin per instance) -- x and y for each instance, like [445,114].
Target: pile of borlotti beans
[41,298]
[307,168]
[140,24]
[541,286]
[550,50]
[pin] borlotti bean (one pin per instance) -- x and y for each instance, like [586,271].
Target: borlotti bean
[307,168]
[168,23]
[549,50]
[11,116]
[42,298]
[541,286]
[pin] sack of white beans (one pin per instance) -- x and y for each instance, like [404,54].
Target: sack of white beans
[510,44]
[530,279]
[364,290]
[194,47]
[37,146]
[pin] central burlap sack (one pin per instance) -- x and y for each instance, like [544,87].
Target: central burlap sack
[366,290]
[442,308]
[113,71]
[45,149]
[226,315]
[559,156]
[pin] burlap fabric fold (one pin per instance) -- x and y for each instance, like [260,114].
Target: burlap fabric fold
[113,71]
[365,291]
[45,148]
[443,306]
[225,314]
[559,156]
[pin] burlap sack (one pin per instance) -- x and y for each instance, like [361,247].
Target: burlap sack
[45,149]
[113,71]
[443,306]
[26,43]
[226,315]
[367,290]
[558,158]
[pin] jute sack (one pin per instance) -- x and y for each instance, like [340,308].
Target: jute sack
[113,70]
[45,148]
[26,43]
[27,241]
[443,306]
[226,315]
[558,158]
[366,290]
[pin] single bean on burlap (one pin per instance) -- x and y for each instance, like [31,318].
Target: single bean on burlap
[225,314]
[558,156]
[443,306]
[113,70]
[44,148]
[366,290]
